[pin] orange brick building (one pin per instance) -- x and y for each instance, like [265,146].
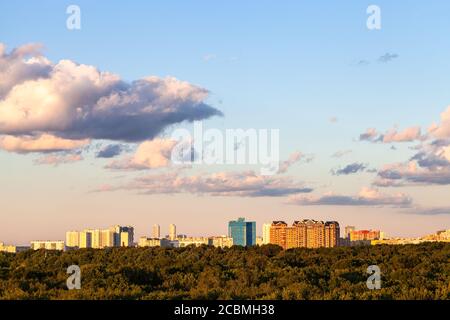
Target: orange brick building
[305,234]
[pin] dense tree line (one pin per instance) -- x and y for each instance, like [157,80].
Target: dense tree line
[266,272]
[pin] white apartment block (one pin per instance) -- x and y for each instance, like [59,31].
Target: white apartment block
[156,231]
[12,248]
[153,242]
[48,245]
[101,238]
[221,241]
[266,233]
[197,241]
[72,239]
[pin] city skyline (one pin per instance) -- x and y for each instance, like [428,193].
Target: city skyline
[88,116]
[112,236]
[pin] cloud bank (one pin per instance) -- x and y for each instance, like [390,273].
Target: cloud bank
[41,143]
[430,165]
[238,184]
[392,135]
[366,197]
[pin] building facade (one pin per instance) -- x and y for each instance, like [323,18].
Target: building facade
[48,245]
[305,234]
[116,236]
[278,233]
[156,231]
[364,235]
[172,232]
[349,229]
[221,241]
[153,242]
[85,239]
[266,233]
[12,248]
[196,241]
[243,232]
[72,239]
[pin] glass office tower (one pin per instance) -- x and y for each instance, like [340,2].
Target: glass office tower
[243,232]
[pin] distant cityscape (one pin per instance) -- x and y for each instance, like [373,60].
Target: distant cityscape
[307,233]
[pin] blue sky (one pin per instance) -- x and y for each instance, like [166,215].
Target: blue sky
[291,65]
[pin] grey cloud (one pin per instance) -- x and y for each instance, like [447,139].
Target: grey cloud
[430,211]
[440,143]
[355,201]
[110,151]
[341,153]
[367,197]
[387,57]
[428,166]
[350,169]
[281,192]
[439,177]
[427,160]
[370,135]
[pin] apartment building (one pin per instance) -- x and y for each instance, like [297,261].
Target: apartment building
[306,233]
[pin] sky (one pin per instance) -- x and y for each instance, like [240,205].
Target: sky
[87,115]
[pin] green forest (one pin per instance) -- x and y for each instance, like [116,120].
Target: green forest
[266,272]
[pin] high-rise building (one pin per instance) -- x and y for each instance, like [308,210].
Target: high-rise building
[292,237]
[85,239]
[243,232]
[172,232]
[95,238]
[278,233]
[72,239]
[156,231]
[123,236]
[102,238]
[306,233]
[315,233]
[98,239]
[349,229]
[126,236]
[106,238]
[332,234]
[301,228]
[266,233]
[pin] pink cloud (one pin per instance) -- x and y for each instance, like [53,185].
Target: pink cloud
[151,154]
[365,197]
[57,159]
[42,143]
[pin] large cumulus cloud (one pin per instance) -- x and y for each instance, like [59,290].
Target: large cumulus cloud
[76,101]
